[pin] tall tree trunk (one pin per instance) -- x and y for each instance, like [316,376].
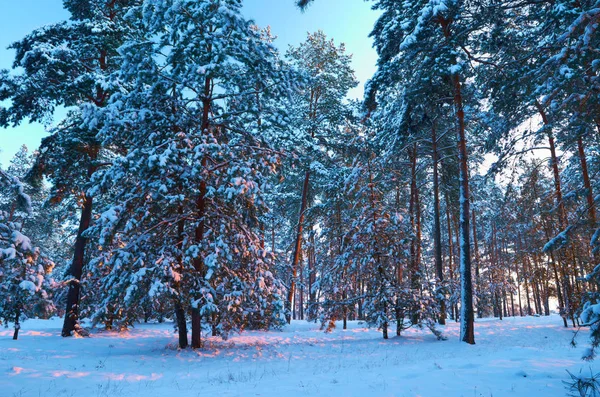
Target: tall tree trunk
[380,269]
[297,246]
[301,292]
[555,170]
[415,247]
[456,224]
[477,262]
[312,115]
[562,216]
[437,230]
[589,196]
[201,214]
[76,270]
[450,251]
[518,285]
[467,315]
[587,184]
[311,278]
[526,278]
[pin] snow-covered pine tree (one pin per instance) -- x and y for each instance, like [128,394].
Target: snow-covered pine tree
[201,100]
[319,111]
[545,70]
[24,285]
[52,222]
[432,42]
[67,65]
[375,250]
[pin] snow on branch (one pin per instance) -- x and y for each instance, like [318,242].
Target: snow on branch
[13,183]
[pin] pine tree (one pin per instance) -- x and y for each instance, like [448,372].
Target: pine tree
[424,43]
[318,110]
[67,64]
[23,270]
[188,197]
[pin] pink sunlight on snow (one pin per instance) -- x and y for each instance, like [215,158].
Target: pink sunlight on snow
[513,357]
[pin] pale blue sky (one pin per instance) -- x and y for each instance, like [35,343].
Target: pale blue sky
[348,21]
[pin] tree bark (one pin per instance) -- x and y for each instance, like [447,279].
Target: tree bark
[437,230]
[415,246]
[297,246]
[301,294]
[527,275]
[587,184]
[477,263]
[450,251]
[181,325]
[199,231]
[467,315]
[590,198]
[17,324]
[76,270]
[179,310]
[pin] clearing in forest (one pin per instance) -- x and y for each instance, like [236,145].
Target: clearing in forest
[513,357]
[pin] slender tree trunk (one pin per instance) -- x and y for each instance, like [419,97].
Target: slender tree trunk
[312,114]
[477,262]
[311,278]
[527,276]
[301,300]
[415,250]
[297,246]
[201,214]
[411,212]
[543,284]
[467,315]
[587,184]
[450,251]
[179,310]
[518,285]
[360,301]
[345,310]
[380,270]
[537,287]
[590,199]
[437,230]
[273,236]
[561,208]
[457,261]
[554,266]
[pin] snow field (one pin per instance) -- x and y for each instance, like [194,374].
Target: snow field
[513,357]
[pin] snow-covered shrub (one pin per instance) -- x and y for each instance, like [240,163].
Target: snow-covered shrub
[583,386]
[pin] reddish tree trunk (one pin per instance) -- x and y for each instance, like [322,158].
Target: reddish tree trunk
[76,269]
[297,246]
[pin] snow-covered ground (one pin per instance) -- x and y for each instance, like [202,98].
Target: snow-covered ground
[513,357]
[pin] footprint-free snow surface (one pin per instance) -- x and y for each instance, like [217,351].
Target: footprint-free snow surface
[513,357]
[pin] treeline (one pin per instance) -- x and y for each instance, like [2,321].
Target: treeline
[200,175]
